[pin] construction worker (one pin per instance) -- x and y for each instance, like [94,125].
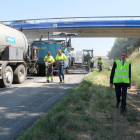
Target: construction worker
[59,64]
[121,78]
[100,62]
[49,60]
[91,63]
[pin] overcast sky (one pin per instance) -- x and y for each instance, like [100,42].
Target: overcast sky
[32,9]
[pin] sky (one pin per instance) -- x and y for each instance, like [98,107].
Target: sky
[34,9]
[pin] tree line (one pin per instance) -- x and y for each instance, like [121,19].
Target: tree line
[127,45]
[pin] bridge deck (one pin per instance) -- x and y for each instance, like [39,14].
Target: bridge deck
[94,28]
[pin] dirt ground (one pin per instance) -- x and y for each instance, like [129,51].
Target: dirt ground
[134,99]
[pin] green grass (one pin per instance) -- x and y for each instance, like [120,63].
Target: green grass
[131,116]
[135,66]
[106,66]
[73,125]
[86,112]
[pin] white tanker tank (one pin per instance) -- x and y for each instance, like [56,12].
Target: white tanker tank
[12,37]
[16,56]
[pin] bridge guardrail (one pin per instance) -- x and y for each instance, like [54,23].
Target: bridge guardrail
[72,19]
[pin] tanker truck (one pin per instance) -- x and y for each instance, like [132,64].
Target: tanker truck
[17,57]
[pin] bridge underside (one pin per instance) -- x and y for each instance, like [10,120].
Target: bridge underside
[88,32]
[106,28]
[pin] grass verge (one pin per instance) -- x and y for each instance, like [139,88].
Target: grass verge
[135,72]
[87,112]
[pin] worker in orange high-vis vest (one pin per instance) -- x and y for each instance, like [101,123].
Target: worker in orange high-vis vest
[49,60]
[121,78]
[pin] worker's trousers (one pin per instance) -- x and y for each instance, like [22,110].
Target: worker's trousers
[61,72]
[121,90]
[49,72]
[91,64]
[100,67]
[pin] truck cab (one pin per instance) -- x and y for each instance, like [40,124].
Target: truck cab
[86,55]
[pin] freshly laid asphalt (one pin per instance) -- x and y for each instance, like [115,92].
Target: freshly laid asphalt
[22,104]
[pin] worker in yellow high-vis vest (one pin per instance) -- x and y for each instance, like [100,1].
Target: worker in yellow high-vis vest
[91,63]
[100,64]
[49,60]
[121,78]
[59,64]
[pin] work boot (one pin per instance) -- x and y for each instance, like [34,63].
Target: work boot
[122,112]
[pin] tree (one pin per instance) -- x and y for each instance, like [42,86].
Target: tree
[127,45]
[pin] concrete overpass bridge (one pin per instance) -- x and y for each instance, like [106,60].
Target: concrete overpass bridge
[120,26]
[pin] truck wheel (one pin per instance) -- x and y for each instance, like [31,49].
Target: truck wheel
[7,77]
[19,74]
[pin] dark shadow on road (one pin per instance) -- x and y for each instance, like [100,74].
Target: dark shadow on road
[20,107]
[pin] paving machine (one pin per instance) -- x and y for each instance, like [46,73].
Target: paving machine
[86,57]
[53,46]
[83,67]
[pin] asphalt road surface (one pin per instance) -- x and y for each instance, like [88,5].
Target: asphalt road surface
[22,104]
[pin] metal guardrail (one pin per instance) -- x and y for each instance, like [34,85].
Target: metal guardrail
[75,18]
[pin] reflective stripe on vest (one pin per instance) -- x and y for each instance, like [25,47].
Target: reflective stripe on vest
[121,72]
[60,59]
[48,65]
[122,76]
[60,62]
